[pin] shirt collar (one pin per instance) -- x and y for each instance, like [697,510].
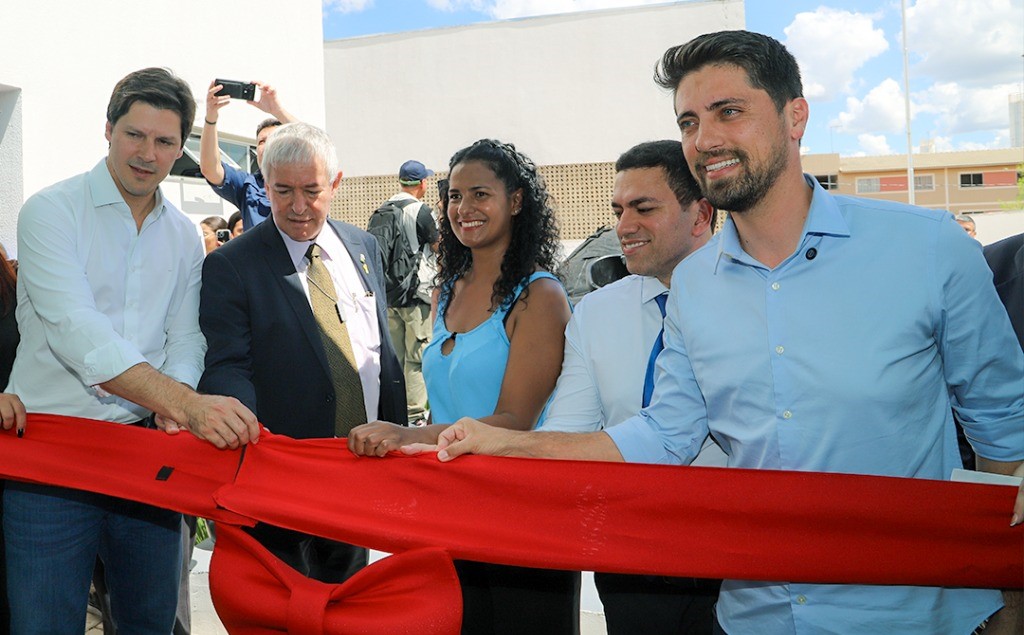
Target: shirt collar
[650,288]
[331,246]
[824,218]
[404,196]
[104,190]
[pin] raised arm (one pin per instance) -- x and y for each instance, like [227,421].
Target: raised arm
[270,104]
[209,144]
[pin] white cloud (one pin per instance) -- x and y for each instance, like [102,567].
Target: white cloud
[881,110]
[971,43]
[504,9]
[1001,139]
[347,6]
[874,144]
[943,144]
[454,5]
[831,45]
[960,109]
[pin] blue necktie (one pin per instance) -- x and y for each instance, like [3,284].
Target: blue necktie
[659,345]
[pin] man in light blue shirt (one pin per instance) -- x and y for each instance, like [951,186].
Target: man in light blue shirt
[845,330]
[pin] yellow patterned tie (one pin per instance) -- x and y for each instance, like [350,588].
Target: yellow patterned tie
[349,407]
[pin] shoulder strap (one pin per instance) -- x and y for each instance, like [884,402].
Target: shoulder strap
[536,275]
[408,222]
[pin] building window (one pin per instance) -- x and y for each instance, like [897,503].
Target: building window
[237,155]
[924,182]
[828,181]
[972,179]
[869,186]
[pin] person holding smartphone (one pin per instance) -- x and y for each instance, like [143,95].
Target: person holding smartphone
[215,232]
[245,191]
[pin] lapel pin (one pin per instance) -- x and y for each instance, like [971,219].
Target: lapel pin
[362,260]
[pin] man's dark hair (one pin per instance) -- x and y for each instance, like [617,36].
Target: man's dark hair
[769,66]
[267,123]
[234,219]
[158,87]
[667,155]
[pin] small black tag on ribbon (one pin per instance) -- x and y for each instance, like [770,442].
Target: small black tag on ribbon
[164,473]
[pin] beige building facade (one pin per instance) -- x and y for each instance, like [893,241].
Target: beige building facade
[970,182]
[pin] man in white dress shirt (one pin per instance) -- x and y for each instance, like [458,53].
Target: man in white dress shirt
[609,342]
[108,300]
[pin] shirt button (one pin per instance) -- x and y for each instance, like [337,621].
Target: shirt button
[800,599]
[787,415]
[780,350]
[775,286]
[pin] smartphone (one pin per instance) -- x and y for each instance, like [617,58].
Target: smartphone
[237,90]
[223,235]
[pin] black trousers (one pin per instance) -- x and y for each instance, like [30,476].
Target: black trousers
[657,604]
[504,600]
[314,557]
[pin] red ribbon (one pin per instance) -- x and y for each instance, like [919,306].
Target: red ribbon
[701,522]
[632,518]
[122,461]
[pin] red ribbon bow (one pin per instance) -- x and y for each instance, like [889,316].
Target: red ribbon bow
[257,594]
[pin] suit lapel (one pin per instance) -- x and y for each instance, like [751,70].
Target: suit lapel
[287,277]
[361,257]
[356,251]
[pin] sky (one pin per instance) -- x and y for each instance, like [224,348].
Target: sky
[965,58]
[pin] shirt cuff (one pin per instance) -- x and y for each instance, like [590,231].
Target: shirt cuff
[108,361]
[638,443]
[183,373]
[1008,446]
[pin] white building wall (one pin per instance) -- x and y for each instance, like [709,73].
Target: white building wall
[11,185]
[572,88]
[65,57]
[995,226]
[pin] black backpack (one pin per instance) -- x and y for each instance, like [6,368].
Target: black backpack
[597,261]
[395,230]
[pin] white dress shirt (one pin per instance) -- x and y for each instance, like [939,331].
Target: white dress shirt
[97,296]
[358,306]
[608,343]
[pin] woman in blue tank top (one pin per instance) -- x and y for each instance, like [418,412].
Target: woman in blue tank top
[495,355]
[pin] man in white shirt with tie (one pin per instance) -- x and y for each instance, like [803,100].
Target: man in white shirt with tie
[108,296]
[611,343]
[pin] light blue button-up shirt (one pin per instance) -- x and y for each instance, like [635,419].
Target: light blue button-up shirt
[846,357]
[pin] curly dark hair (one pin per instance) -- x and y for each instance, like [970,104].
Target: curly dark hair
[534,230]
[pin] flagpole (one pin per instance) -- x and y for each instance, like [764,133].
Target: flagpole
[906,106]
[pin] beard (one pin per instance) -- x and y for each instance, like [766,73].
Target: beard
[748,188]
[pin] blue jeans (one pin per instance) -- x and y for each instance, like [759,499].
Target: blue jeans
[53,536]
